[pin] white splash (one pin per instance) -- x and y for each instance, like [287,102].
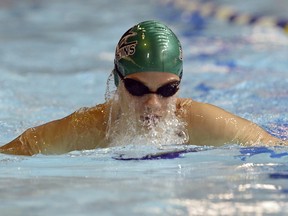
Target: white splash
[127,128]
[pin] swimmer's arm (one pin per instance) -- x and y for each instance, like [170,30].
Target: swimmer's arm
[75,132]
[208,124]
[43,139]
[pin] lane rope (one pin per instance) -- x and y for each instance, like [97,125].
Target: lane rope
[225,13]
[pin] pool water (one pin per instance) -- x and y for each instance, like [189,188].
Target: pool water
[56,57]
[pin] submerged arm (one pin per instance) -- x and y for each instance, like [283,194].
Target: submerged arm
[83,129]
[211,125]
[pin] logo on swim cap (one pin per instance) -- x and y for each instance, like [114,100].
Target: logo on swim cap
[149,46]
[124,48]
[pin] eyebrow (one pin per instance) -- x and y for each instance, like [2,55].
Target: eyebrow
[119,74]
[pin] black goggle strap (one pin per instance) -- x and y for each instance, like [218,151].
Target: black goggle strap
[118,72]
[180,75]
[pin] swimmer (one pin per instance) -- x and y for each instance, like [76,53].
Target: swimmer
[147,75]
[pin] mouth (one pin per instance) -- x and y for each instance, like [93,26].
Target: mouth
[150,120]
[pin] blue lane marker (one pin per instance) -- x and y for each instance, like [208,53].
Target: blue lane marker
[203,88]
[208,8]
[158,155]
[283,175]
[280,176]
[248,152]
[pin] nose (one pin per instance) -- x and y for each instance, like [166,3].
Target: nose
[152,102]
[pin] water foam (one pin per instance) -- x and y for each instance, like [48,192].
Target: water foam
[125,127]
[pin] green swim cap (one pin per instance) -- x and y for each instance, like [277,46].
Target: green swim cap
[148,46]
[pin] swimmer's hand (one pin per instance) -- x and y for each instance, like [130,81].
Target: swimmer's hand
[278,142]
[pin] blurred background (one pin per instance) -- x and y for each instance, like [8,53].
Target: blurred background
[56,55]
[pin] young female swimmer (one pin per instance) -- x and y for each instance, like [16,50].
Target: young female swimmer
[147,73]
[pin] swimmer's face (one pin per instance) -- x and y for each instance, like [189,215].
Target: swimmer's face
[148,106]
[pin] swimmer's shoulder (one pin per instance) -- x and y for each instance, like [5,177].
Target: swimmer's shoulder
[195,112]
[189,109]
[99,109]
[94,116]
[195,107]
[184,102]
[184,105]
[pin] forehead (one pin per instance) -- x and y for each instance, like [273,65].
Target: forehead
[153,78]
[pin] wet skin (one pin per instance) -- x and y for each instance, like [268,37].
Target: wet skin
[87,128]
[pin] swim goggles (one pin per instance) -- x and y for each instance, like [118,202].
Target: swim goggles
[137,88]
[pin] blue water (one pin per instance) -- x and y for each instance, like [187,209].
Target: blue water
[55,58]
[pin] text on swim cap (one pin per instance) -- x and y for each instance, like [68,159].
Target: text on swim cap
[125,48]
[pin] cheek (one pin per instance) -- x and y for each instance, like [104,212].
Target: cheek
[128,102]
[137,104]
